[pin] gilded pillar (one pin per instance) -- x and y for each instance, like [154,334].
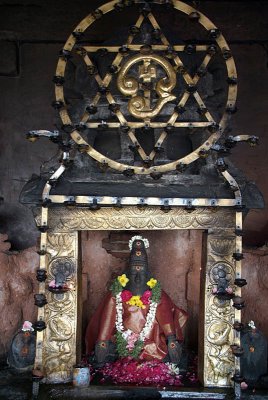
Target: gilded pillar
[61,312]
[218,313]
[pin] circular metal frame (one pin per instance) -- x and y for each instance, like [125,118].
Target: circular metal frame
[203,148]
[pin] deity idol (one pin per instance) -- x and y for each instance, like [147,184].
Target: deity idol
[136,318]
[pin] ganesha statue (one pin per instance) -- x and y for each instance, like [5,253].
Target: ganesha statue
[136,318]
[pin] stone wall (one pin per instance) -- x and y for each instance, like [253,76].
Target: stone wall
[17,287]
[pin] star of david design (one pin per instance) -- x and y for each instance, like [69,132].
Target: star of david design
[146,58]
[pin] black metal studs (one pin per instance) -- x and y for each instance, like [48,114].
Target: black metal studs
[43,228]
[97,14]
[156,175]
[58,80]
[238,256]
[78,34]
[220,163]
[94,206]
[83,148]
[40,300]
[65,54]
[230,109]
[39,326]
[212,49]
[232,80]
[46,203]
[214,33]
[190,48]
[41,275]
[238,302]
[57,104]
[194,16]
[165,206]
[240,282]
[124,128]
[134,30]
[226,53]
[113,69]
[213,127]
[128,172]
[91,109]
[181,167]
[114,107]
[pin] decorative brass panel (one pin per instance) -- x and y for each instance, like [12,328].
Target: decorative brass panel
[134,218]
[219,315]
[59,346]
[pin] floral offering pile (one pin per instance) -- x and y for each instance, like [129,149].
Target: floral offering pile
[128,370]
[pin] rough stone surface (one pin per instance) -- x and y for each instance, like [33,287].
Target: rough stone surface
[17,286]
[255,271]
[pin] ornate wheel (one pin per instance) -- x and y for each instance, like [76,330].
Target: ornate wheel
[148,87]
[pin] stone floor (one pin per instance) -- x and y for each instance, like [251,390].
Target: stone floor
[18,386]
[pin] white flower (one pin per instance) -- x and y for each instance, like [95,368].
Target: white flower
[127,333]
[251,324]
[138,237]
[173,369]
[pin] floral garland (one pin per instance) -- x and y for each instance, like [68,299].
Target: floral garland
[128,342]
[138,237]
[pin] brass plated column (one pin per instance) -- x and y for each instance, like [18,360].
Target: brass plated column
[61,315]
[218,313]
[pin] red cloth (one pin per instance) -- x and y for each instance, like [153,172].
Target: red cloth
[169,320]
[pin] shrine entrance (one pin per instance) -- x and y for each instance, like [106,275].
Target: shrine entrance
[59,345]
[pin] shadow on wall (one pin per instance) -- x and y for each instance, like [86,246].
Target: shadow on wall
[18,223]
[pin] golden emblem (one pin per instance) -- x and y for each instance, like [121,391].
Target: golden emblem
[141,106]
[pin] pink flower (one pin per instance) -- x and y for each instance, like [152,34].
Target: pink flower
[243,385]
[126,295]
[140,372]
[145,298]
[132,340]
[229,290]
[27,326]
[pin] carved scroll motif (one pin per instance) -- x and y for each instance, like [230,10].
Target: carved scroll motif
[59,348]
[132,218]
[219,314]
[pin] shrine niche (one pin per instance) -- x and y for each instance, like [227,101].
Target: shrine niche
[142,148]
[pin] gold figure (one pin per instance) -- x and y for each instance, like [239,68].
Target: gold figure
[140,106]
